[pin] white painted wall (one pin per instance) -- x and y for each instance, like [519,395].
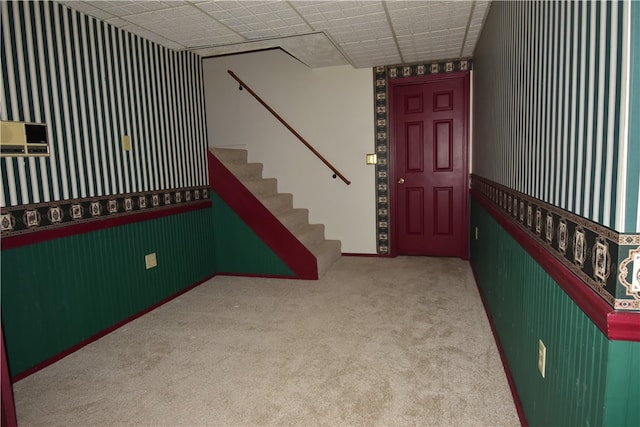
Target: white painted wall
[332,108]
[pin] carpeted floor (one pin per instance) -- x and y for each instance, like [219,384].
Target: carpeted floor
[376,342]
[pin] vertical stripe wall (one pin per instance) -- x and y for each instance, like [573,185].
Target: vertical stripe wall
[632,183]
[92,83]
[552,106]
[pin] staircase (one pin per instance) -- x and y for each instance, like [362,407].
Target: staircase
[326,252]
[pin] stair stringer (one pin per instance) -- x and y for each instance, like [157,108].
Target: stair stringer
[274,234]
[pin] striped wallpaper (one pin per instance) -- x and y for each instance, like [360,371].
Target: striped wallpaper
[552,104]
[92,83]
[632,183]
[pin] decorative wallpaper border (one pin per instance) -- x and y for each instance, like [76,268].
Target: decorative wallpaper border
[381,105]
[23,219]
[602,258]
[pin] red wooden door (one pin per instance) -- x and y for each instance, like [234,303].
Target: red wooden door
[429,176]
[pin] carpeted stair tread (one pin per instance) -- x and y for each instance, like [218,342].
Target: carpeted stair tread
[230,155]
[294,219]
[278,203]
[245,171]
[310,235]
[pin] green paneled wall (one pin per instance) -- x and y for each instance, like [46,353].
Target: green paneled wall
[58,293]
[623,388]
[238,249]
[588,378]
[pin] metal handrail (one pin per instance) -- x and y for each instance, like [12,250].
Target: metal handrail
[336,173]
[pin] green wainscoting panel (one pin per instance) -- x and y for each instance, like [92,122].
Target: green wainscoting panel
[623,384]
[238,249]
[588,378]
[60,292]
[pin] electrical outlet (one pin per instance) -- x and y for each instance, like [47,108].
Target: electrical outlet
[476,233]
[150,260]
[542,358]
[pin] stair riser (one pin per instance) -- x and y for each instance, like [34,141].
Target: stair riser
[230,155]
[263,187]
[295,220]
[279,203]
[312,237]
[248,171]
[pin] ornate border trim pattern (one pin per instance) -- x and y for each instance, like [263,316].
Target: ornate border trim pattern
[381,77]
[24,219]
[594,253]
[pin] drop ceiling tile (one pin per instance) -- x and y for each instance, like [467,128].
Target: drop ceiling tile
[118,22]
[208,41]
[88,9]
[315,50]
[99,4]
[239,9]
[255,20]
[372,47]
[277,31]
[153,37]
[424,28]
[184,23]
[361,10]
[125,8]
[328,15]
[468,51]
[318,12]
[420,17]
[483,4]
[349,35]
[480,13]
[404,9]
[329,6]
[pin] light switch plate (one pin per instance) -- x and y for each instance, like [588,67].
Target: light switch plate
[372,159]
[126,143]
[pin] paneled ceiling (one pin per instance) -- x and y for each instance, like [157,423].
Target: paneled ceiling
[364,33]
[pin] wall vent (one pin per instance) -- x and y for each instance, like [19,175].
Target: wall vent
[21,139]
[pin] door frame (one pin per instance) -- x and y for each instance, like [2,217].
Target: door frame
[393,175]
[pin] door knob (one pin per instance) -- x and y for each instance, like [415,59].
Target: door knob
[401,181]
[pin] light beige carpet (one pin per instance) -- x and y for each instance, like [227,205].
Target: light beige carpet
[376,342]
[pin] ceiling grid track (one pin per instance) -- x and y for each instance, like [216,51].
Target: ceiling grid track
[466,31]
[393,32]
